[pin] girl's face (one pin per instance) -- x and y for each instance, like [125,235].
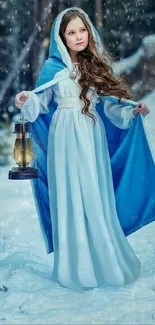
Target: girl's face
[76,36]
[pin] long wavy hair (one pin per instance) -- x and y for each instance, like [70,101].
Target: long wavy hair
[95,68]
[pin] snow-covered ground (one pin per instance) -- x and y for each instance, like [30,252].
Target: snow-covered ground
[27,294]
[146,49]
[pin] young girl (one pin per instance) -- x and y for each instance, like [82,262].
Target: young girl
[87,139]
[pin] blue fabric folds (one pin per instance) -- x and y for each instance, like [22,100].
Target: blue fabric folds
[132,165]
[133,172]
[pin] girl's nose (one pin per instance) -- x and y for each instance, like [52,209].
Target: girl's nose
[79,37]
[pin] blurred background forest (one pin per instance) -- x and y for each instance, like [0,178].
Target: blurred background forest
[24,40]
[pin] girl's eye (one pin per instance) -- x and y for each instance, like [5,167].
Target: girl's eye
[83,29]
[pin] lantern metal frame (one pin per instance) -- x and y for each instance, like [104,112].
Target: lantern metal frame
[23,172]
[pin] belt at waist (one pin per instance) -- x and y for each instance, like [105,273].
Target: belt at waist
[72,103]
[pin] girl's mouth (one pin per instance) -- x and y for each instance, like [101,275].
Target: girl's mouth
[79,43]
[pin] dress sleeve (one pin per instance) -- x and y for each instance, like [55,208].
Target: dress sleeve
[119,113]
[36,104]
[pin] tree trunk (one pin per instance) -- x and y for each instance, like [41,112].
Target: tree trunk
[98,16]
[25,51]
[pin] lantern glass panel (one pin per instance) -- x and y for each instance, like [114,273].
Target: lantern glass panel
[18,151]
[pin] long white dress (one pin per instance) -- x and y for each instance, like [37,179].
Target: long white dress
[90,248]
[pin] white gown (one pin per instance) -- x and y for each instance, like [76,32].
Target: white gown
[90,248]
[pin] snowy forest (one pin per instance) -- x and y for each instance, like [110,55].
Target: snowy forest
[27,293]
[24,40]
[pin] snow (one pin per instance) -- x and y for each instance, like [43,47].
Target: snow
[147,48]
[27,293]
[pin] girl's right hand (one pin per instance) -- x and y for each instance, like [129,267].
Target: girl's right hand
[21,98]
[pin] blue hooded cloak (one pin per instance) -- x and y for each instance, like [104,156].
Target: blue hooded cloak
[132,164]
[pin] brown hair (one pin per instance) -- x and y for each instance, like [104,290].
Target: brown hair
[95,68]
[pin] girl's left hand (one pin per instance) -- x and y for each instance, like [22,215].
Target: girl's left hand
[141,108]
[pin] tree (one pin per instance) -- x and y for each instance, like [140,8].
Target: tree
[126,23]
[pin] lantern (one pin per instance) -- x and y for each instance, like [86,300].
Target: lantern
[23,153]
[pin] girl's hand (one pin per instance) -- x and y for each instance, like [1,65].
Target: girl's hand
[21,98]
[141,108]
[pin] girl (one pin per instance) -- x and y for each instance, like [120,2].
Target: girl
[90,191]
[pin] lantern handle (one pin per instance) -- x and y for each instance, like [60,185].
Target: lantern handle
[21,115]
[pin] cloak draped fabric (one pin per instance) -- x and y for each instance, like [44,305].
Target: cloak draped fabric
[97,183]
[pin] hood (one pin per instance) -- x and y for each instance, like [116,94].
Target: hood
[57,48]
[59,63]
